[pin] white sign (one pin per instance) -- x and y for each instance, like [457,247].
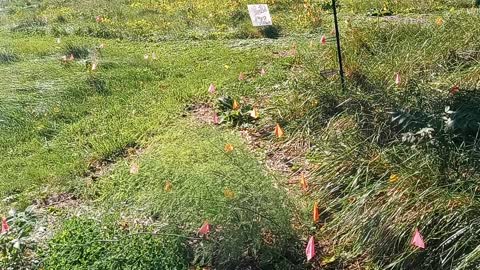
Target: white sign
[260,15]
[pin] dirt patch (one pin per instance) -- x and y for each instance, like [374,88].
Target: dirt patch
[285,157]
[284,54]
[201,112]
[329,73]
[101,167]
[50,212]
[60,199]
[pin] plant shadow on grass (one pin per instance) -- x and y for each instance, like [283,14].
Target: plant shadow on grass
[99,85]
[271,31]
[78,51]
[7,57]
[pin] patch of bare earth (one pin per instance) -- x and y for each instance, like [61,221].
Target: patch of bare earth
[49,211]
[285,157]
[102,167]
[202,113]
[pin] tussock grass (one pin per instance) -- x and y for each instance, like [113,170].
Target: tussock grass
[78,51]
[7,57]
[387,158]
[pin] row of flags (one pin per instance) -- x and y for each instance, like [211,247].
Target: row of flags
[204,230]
[310,252]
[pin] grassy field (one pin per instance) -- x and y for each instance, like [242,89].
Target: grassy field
[118,166]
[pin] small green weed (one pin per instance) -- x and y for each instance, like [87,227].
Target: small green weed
[235,113]
[16,246]
[85,243]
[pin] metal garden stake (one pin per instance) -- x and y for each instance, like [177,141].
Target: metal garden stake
[339,47]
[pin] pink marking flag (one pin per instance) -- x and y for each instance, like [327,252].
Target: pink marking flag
[398,79]
[310,251]
[417,240]
[5,227]
[241,76]
[212,89]
[455,89]
[205,229]
[263,72]
[324,40]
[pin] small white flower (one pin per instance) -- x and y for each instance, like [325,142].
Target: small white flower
[448,122]
[448,111]
[425,132]
[16,243]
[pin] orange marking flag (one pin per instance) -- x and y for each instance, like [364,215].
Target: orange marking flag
[304,183]
[236,106]
[279,131]
[316,213]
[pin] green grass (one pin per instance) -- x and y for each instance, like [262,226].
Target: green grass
[139,100]
[60,121]
[193,160]
[54,131]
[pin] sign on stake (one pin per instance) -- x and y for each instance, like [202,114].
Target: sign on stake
[260,15]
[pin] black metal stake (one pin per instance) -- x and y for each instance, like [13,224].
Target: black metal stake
[339,47]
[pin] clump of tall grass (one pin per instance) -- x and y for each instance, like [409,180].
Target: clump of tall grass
[7,56]
[78,51]
[392,157]
[33,25]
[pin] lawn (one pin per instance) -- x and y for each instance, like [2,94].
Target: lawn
[112,157]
